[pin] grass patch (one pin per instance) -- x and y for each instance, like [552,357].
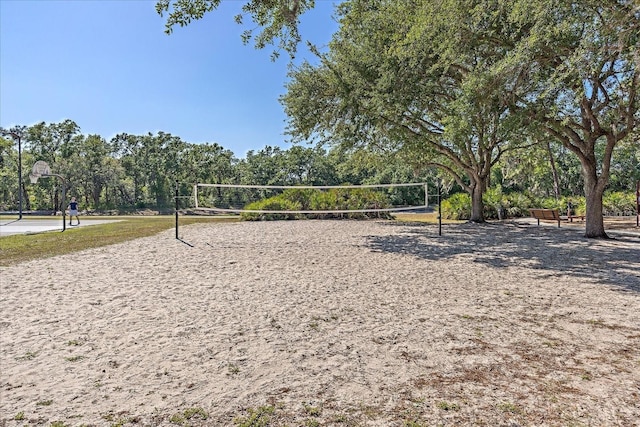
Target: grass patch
[19,248]
[509,407]
[313,411]
[29,355]
[430,218]
[447,406]
[188,414]
[260,417]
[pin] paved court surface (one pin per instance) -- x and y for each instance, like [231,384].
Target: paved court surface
[30,226]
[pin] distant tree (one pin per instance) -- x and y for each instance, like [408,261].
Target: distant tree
[54,143]
[533,171]
[308,166]
[8,174]
[128,150]
[625,165]
[263,167]
[153,162]
[89,169]
[208,163]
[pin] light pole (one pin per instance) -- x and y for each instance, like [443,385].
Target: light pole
[16,136]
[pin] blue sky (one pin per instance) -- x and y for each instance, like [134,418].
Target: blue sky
[109,66]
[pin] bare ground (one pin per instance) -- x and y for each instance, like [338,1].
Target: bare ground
[332,323]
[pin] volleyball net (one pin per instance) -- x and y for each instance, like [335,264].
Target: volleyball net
[274,202]
[258,201]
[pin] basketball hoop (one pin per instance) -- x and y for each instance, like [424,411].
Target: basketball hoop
[39,169]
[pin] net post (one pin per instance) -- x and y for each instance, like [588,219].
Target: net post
[64,207]
[426,196]
[177,207]
[638,203]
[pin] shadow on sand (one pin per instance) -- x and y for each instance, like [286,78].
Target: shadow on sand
[559,252]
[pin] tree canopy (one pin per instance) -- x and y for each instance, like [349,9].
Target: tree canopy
[458,82]
[278,20]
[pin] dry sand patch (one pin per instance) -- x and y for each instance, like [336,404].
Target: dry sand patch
[361,323]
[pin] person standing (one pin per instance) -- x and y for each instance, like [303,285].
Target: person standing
[73,211]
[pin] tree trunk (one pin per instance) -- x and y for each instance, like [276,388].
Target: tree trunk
[477,205]
[56,200]
[554,171]
[96,192]
[594,221]
[25,199]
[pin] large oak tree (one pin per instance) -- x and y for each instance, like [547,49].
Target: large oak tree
[398,77]
[574,72]
[452,77]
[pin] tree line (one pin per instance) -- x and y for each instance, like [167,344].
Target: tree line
[132,172]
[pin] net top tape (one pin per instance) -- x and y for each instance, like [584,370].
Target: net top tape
[310,187]
[337,211]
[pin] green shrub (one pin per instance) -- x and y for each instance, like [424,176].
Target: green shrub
[618,203]
[519,205]
[299,196]
[277,203]
[548,203]
[514,205]
[457,206]
[495,203]
[578,205]
[310,199]
[323,200]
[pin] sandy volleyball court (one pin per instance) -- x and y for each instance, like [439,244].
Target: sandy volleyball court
[328,323]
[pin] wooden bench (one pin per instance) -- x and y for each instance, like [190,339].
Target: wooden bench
[547,214]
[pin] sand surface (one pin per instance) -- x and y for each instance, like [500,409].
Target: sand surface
[327,323]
